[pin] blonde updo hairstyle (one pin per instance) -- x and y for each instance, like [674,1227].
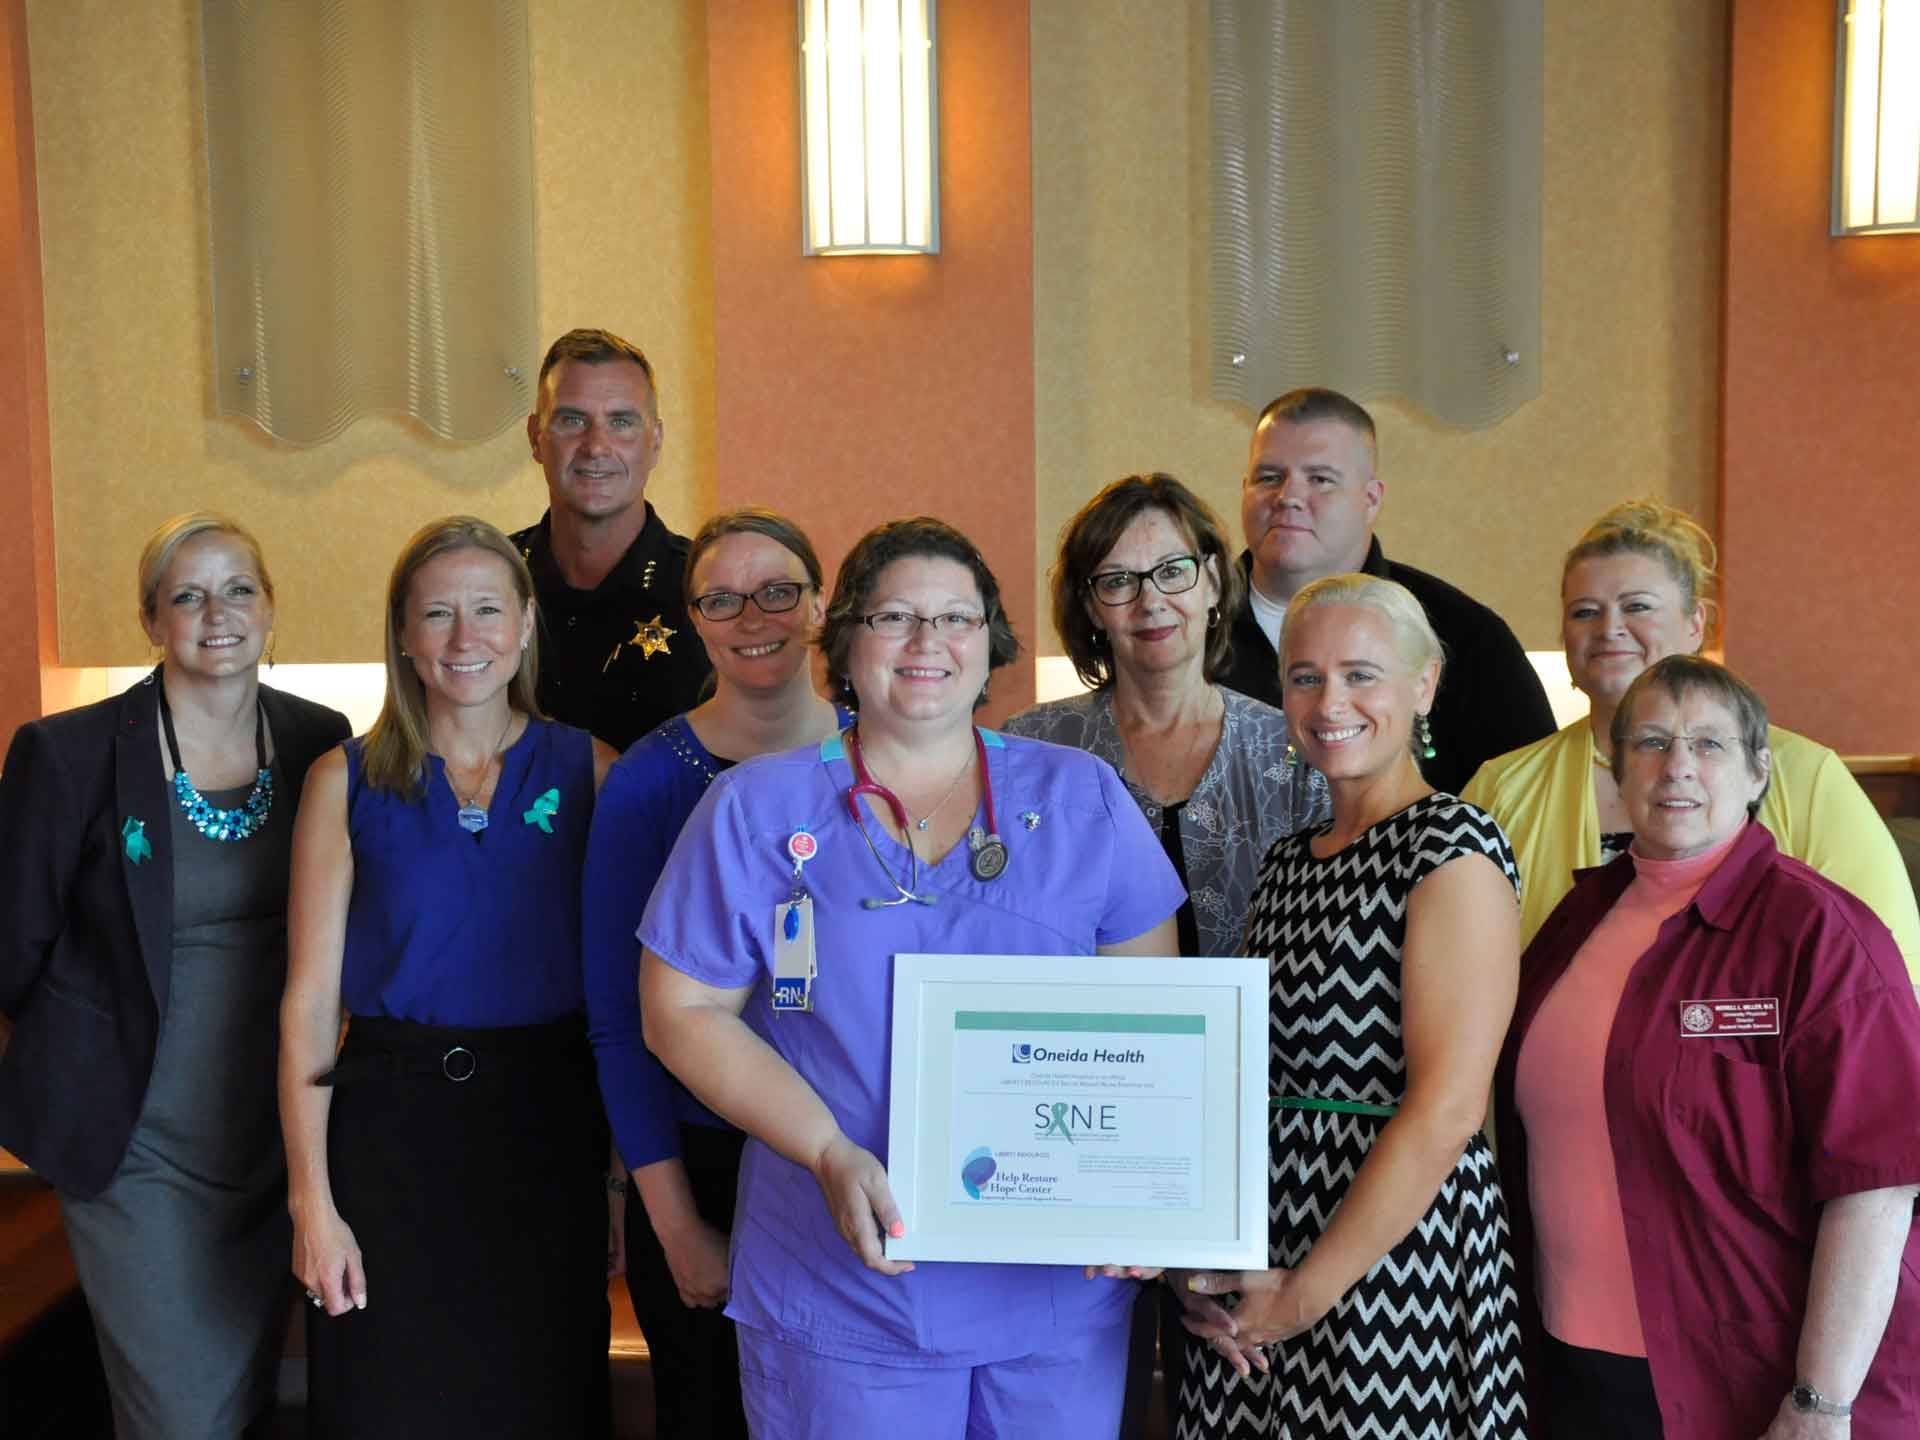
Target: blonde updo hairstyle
[1674,538]
[1413,634]
[156,556]
[1414,639]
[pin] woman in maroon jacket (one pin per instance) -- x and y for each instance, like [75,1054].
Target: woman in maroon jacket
[1707,1121]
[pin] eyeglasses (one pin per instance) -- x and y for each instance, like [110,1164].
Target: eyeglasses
[1706,748]
[899,624]
[772,599]
[1170,577]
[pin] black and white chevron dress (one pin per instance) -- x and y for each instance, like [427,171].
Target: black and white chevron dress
[1427,1345]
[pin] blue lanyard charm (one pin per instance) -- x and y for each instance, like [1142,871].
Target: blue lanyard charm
[794,967]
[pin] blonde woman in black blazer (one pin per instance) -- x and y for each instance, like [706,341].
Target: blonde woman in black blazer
[143,877]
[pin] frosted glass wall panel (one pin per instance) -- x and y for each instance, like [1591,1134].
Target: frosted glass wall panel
[1376,201]
[371,188]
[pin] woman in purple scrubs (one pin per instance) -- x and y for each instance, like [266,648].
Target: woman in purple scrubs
[1027,848]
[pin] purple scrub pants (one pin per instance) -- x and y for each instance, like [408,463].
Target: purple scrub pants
[792,1393]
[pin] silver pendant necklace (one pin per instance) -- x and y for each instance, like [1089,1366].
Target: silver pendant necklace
[472,816]
[925,820]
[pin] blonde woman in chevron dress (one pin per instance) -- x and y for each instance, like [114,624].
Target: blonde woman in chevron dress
[1389,1310]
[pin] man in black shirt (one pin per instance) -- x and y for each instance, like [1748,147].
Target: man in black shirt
[617,654]
[1308,506]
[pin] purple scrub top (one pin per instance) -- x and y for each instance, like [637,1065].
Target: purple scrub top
[1084,869]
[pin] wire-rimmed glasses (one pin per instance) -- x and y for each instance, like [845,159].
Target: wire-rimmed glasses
[1706,748]
[899,624]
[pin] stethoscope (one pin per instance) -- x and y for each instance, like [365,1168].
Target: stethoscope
[987,852]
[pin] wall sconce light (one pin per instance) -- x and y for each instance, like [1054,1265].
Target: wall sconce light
[1876,120]
[869,167]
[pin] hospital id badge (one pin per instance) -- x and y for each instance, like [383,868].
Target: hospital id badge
[793,963]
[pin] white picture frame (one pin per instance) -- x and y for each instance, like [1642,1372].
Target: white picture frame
[1192,1195]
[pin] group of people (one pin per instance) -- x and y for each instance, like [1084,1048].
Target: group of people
[606,902]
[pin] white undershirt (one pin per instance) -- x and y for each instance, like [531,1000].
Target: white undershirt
[1267,614]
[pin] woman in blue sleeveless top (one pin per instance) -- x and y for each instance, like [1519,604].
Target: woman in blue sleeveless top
[447,1171]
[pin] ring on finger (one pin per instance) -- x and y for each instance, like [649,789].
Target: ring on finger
[314,1298]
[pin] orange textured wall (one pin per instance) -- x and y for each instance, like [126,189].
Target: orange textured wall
[1820,500]
[28,638]
[856,389]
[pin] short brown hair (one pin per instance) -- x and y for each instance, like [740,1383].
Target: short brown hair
[1305,406]
[872,553]
[1660,532]
[597,347]
[156,556]
[395,750]
[1678,676]
[1091,534]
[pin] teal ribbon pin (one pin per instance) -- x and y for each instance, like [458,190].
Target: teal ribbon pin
[545,807]
[134,833]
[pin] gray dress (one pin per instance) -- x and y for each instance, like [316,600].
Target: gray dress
[185,1256]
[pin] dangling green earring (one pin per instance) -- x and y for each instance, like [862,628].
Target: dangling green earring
[1427,752]
[1293,756]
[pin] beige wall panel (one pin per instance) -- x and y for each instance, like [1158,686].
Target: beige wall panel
[622,229]
[1635,99]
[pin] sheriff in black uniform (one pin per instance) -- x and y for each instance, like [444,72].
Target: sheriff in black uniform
[617,653]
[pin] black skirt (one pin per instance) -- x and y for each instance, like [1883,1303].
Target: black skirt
[471,1167]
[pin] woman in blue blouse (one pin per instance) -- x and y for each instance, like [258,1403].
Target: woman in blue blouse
[754,592]
[447,1170]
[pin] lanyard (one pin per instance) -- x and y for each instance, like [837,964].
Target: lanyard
[987,856]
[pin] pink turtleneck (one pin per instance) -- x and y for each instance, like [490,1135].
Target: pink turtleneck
[1583,1278]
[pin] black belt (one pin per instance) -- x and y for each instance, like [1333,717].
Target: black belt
[379,1047]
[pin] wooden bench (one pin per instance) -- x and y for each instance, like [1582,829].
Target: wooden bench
[1892,782]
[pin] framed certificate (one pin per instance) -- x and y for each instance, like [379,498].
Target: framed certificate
[1080,1110]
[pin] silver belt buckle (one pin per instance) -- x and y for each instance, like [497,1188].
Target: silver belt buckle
[458,1064]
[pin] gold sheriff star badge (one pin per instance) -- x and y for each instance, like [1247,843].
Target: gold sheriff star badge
[651,636]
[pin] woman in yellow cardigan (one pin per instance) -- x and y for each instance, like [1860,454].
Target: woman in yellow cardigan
[1633,591]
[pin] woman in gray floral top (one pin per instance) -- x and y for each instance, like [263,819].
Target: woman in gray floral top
[1143,592]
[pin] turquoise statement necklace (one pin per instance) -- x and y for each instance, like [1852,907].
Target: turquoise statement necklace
[244,820]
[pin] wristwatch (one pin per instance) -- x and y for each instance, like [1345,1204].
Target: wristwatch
[1809,1401]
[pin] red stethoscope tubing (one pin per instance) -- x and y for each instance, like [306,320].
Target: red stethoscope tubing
[865,784]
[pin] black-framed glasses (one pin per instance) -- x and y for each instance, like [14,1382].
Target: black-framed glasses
[775,598]
[1706,747]
[1175,576]
[898,624]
